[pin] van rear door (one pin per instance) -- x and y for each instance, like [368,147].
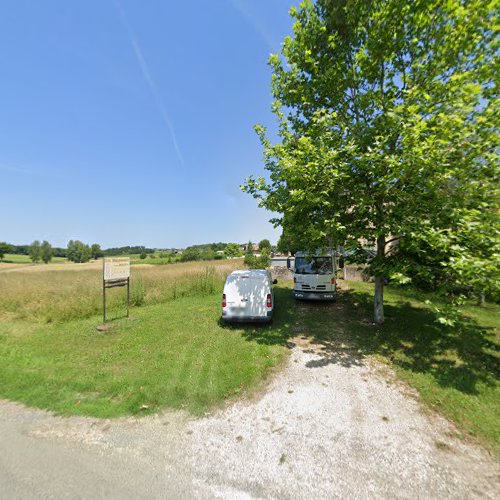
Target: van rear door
[246,295]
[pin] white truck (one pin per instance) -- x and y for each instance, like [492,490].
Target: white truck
[315,276]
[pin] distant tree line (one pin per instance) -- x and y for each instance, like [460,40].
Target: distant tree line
[127,250]
[77,251]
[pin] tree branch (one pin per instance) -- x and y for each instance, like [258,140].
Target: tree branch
[396,238]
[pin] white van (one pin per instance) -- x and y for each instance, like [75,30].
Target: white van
[248,296]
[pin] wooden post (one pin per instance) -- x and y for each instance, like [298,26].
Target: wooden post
[103,294]
[128,294]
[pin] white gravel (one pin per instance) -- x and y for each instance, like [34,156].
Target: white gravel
[326,427]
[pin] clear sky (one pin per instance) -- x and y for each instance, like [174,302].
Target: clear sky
[130,121]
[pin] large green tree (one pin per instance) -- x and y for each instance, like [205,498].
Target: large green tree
[388,118]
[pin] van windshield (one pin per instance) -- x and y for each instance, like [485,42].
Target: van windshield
[313,265]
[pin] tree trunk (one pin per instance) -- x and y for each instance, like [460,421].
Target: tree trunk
[378,300]
[378,309]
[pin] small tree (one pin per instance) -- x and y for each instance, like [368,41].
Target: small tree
[46,252]
[249,256]
[190,254]
[143,255]
[264,261]
[78,251]
[265,244]
[96,251]
[232,250]
[4,248]
[35,251]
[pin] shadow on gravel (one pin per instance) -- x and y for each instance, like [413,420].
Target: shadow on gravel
[342,333]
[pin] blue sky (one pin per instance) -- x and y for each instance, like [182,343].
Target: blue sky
[130,121]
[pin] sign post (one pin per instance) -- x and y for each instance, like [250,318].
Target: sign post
[115,273]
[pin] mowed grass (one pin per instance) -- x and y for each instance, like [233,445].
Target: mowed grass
[455,369]
[174,355]
[11,258]
[173,352]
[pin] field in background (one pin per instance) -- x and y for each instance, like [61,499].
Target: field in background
[11,258]
[74,291]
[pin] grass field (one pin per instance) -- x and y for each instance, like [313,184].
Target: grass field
[11,258]
[57,295]
[173,355]
[173,351]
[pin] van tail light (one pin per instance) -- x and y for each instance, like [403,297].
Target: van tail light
[294,279]
[269,300]
[223,300]
[334,281]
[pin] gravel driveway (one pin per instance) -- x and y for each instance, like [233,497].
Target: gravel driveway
[328,426]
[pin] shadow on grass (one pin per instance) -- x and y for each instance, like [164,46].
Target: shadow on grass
[459,357]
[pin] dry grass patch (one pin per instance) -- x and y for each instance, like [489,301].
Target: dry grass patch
[63,294]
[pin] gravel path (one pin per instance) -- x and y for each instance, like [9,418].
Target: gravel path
[328,426]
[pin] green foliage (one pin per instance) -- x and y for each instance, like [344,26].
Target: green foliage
[190,254]
[143,256]
[258,262]
[46,252]
[78,251]
[35,251]
[95,251]
[126,250]
[265,244]
[5,248]
[388,116]
[232,250]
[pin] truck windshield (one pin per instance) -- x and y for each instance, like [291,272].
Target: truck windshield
[313,265]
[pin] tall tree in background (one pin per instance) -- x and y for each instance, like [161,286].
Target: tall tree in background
[35,251]
[265,244]
[78,251]
[96,251]
[46,252]
[388,117]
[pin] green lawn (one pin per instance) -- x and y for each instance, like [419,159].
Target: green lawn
[173,355]
[177,354]
[25,259]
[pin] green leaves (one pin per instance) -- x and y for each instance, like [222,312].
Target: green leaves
[388,120]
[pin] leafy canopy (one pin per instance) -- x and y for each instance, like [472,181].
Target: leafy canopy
[388,119]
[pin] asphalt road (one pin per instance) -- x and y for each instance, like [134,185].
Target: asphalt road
[331,425]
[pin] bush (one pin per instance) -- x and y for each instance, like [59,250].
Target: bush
[254,262]
[143,256]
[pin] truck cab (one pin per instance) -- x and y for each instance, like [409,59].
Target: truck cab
[315,276]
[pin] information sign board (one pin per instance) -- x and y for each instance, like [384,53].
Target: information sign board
[115,273]
[116,268]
